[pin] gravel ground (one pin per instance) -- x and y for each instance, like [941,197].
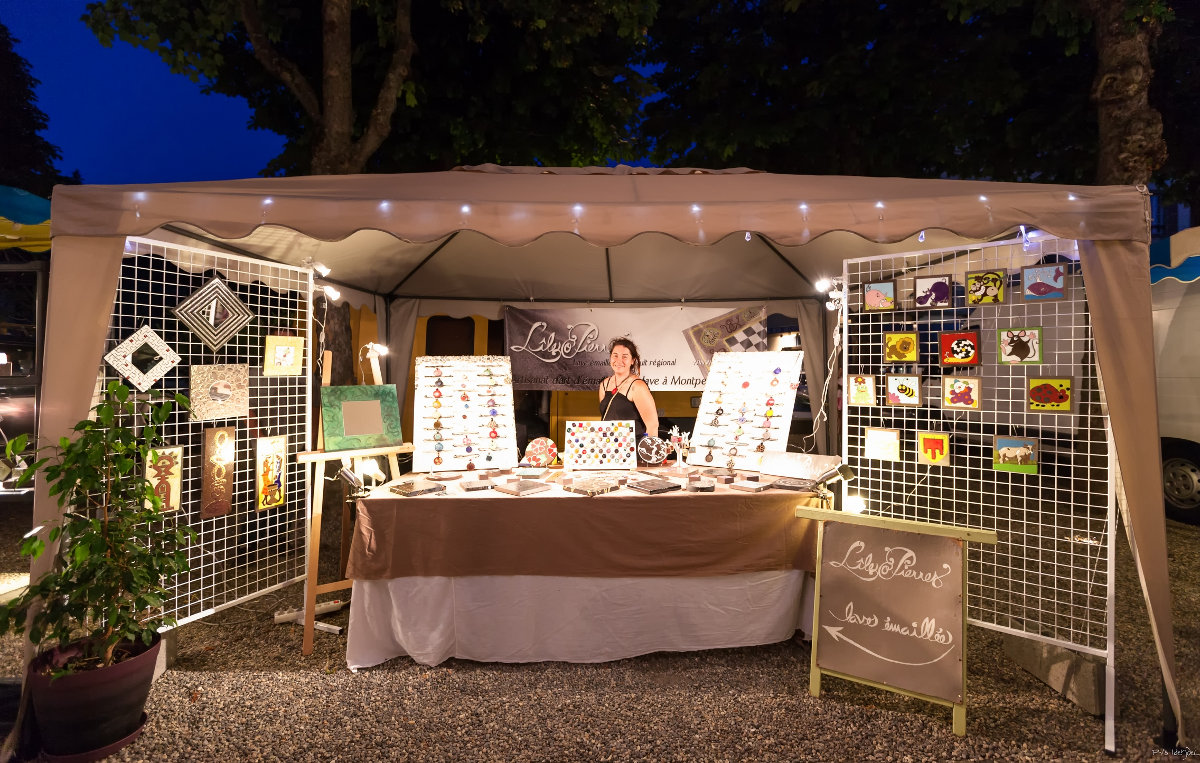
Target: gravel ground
[241,690]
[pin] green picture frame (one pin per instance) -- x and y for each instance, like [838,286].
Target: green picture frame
[360,416]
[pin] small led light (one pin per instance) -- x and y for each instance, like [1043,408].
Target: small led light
[139,196]
[921,237]
[268,201]
[466,209]
[879,205]
[983,198]
[378,349]
[384,206]
[855,504]
[331,292]
[1072,197]
[577,209]
[695,209]
[823,285]
[803,208]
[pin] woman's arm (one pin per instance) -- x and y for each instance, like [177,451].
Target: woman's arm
[643,399]
[603,389]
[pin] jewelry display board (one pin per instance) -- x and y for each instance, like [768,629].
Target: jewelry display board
[463,415]
[746,408]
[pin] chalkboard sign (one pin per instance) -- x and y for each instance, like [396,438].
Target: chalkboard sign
[890,609]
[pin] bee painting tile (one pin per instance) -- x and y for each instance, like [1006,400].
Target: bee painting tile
[904,389]
[900,347]
[1050,394]
[1020,345]
[959,348]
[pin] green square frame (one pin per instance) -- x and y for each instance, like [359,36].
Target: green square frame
[336,438]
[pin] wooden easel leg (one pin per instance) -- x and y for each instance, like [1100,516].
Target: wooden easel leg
[960,719]
[314,558]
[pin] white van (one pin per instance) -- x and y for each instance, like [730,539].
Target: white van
[1176,302]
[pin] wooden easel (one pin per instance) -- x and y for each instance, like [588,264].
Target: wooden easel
[320,458]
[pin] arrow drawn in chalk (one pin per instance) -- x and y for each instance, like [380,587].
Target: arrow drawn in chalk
[836,632]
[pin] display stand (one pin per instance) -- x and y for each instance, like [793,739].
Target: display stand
[320,458]
[891,598]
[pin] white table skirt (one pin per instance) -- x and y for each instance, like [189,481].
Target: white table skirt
[529,618]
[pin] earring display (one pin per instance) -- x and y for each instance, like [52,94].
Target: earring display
[746,408]
[599,445]
[214,313]
[143,358]
[463,417]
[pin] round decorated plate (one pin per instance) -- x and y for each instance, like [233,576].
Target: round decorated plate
[653,450]
[541,452]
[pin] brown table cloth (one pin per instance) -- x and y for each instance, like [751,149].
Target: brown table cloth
[620,534]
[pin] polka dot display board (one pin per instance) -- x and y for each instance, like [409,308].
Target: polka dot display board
[746,408]
[599,445]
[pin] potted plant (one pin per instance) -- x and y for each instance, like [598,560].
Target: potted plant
[95,615]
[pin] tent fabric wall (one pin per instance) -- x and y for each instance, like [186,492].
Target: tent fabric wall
[606,207]
[1116,275]
[814,340]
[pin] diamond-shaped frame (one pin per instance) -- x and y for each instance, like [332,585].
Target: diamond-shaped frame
[195,312]
[121,358]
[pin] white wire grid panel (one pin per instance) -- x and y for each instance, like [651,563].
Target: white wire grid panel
[246,552]
[1049,576]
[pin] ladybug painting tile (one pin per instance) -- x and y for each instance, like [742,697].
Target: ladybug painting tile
[959,348]
[1048,394]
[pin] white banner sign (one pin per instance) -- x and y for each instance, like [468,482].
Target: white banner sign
[567,349]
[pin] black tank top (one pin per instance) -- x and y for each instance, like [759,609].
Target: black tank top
[621,408]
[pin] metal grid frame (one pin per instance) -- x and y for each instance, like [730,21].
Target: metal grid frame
[245,553]
[1050,577]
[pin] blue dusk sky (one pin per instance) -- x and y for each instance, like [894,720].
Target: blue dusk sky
[118,115]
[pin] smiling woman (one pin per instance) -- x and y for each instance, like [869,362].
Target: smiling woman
[622,398]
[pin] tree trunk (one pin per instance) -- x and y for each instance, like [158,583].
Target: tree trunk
[1131,144]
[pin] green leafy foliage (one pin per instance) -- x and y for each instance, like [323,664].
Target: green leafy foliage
[508,81]
[117,551]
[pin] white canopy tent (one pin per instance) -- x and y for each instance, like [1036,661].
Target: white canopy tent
[622,235]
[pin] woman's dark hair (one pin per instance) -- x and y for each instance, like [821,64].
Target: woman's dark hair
[633,351]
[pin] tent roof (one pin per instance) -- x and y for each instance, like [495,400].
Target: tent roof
[599,234]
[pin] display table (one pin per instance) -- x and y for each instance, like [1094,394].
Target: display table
[560,576]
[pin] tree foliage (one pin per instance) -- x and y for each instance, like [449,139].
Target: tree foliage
[989,89]
[387,85]
[27,159]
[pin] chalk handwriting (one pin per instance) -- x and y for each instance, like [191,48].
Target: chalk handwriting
[898,562]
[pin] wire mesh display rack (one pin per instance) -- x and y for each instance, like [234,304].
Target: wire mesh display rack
[246,552]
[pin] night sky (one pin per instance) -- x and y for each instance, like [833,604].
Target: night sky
[118,115]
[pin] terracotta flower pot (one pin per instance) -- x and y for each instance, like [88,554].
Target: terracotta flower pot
[89,715]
